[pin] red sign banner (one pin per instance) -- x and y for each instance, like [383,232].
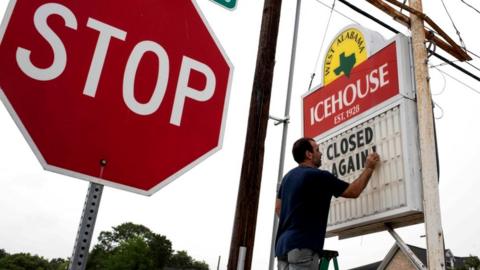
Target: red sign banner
[369,84]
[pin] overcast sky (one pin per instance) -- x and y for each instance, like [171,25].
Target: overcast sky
[40,211]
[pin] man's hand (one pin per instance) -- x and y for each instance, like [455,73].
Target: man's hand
[372,160]
[357,186]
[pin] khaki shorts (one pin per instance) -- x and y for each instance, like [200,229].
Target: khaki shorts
[299,259]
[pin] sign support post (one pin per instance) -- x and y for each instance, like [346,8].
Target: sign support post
[431,200]
[85,230]
[404,247]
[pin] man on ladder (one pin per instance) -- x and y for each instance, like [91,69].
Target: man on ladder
[303,202]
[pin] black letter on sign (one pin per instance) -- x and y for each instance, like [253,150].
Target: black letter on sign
[368,135]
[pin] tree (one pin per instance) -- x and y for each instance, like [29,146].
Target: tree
[3,253]
[472,262]
[130,246]
[24,261]
[181,260]
[59,264]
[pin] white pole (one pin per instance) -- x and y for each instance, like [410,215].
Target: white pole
[431,199]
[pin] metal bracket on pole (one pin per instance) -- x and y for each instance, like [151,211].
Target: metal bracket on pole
[242,252]
[279,121]
[404,247]
[85,230]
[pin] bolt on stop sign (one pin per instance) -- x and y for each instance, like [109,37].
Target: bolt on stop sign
[140,85]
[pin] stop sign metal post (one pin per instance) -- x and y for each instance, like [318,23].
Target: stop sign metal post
[127,95]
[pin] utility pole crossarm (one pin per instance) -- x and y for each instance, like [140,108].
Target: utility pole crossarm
[447,44]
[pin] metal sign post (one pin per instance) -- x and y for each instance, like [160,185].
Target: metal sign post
[85,230]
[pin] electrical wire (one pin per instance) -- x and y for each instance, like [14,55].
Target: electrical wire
[470,6]
[322,43]
[338,12]
[442,113]
[364,13]
[474,54]
[470,64]
[443,87]
[454,26]
[469,51]
[396,32]
[442,64]
[459,81]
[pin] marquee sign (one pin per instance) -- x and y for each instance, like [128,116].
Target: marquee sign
[366,104]
[394,192]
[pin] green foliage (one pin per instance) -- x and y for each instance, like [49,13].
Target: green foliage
[3,253]
[472,261]
[59,264]
[24,261]
[135,247]
[130,246]
[181,260]
[127,247]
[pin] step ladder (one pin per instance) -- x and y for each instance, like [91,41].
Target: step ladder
[325,258]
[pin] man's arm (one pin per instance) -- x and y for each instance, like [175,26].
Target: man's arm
[357,186]
[278,206]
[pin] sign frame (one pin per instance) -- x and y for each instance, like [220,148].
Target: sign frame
[412,212]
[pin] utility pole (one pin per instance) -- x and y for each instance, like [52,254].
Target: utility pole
[431,200]
[243,234]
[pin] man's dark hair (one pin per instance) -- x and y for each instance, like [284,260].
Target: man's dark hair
[300,147]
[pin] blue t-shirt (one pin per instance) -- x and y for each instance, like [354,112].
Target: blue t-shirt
[305,194]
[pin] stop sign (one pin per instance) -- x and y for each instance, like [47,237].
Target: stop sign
[129,94]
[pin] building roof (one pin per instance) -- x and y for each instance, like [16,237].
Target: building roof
[421,253]
[372,266]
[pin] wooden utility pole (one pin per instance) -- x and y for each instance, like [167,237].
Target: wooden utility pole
[243,234]
[431,199]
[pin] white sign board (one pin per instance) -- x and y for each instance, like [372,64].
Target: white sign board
[394,192]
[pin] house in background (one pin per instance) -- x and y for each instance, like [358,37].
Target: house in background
[396,259]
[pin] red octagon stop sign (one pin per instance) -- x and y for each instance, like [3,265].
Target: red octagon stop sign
[142,85]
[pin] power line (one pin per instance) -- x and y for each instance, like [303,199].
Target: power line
[470,64]
[470,6]
[469,51]
[456,66]
[459,81]
[364,13]
[325,35]
[369,16]
[474,54]
[454,26]
[323,40]
[345,16]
